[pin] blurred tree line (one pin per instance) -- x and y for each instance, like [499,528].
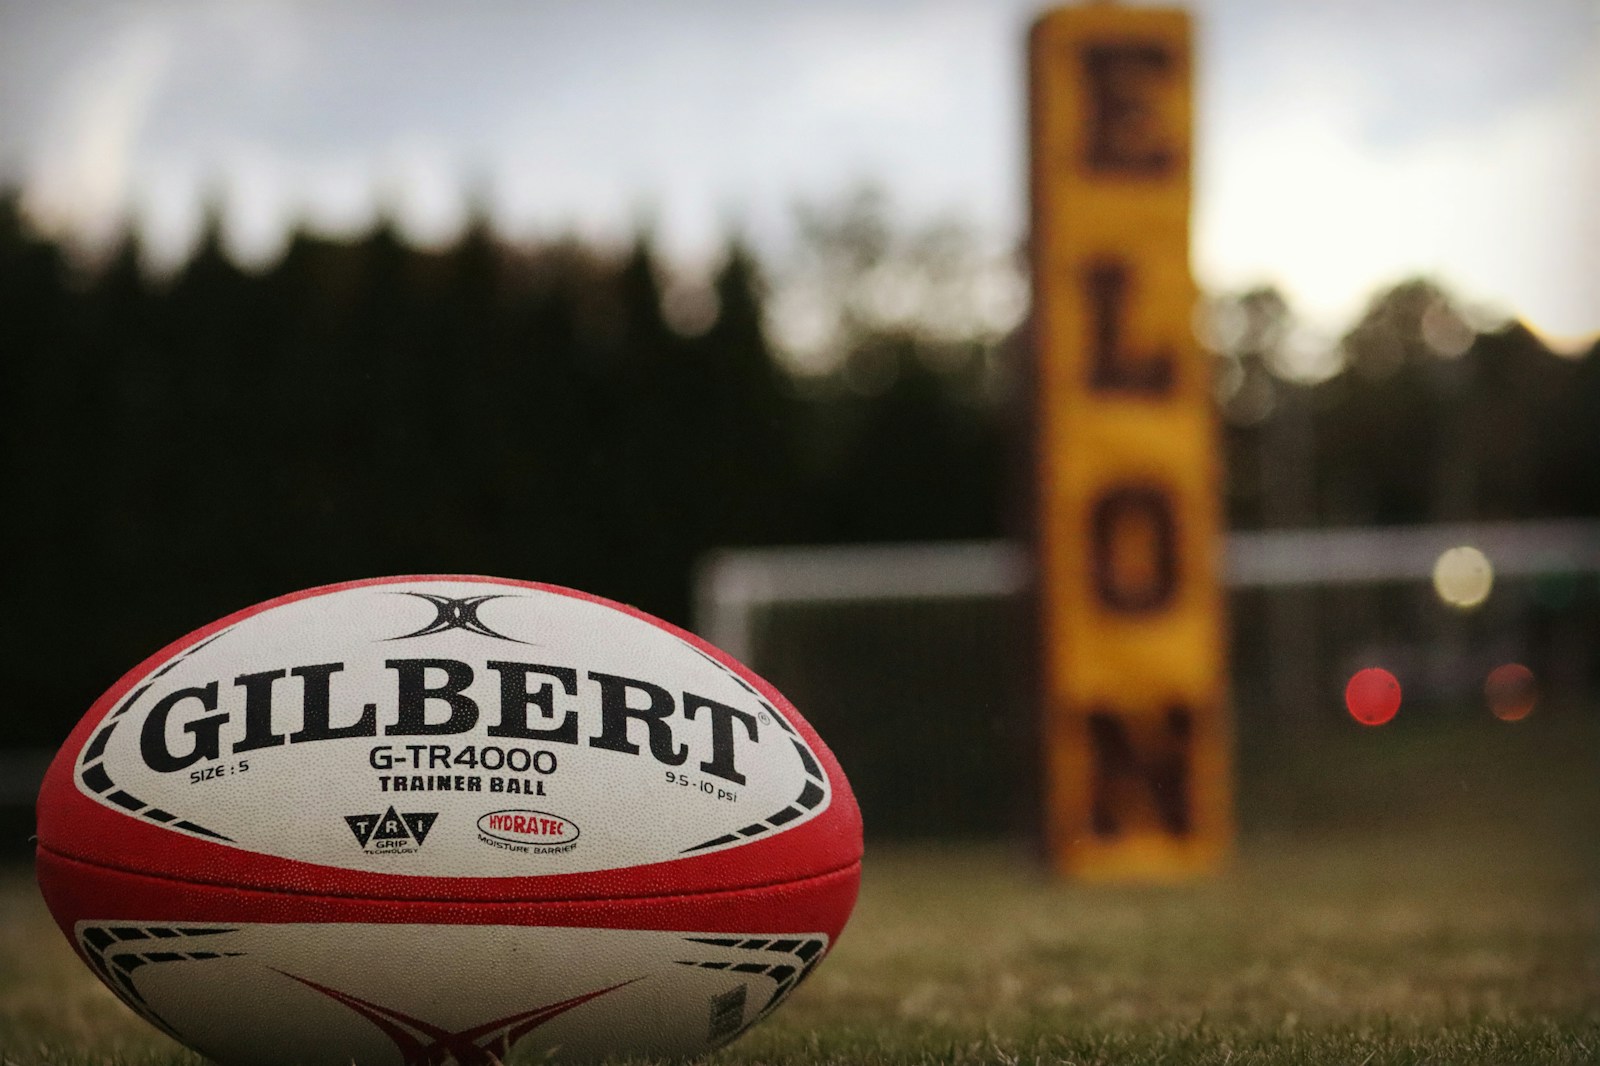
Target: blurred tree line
[1429,416]
[176,448]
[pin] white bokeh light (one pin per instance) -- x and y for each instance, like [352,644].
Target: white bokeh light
[1463,577]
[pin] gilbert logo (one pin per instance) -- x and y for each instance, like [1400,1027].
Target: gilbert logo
[461,613]
[391,832]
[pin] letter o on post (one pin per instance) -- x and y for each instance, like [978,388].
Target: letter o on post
[1134,515]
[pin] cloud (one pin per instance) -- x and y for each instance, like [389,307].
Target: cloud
[1302,189]
[1333,158]
[80,181]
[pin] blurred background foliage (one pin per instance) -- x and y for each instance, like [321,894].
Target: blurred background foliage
[178,447]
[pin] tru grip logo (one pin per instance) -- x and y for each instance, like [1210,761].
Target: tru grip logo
[391,832]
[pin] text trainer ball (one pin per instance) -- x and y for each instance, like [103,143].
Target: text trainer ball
[429,819]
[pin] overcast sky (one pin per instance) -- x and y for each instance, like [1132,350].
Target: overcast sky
[1342,145]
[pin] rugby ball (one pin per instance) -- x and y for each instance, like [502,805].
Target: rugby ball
[432,819]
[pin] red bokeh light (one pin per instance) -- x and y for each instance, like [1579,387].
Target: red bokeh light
[1511,692]
[1373,696]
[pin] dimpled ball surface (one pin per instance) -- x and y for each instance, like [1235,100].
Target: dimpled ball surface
[433,818]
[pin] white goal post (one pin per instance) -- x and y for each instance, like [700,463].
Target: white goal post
[732,585]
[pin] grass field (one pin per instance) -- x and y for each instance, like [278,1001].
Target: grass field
[1419,894]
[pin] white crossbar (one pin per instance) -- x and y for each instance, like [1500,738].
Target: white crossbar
[731,585]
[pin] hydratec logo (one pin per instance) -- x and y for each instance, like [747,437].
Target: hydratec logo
[391,832]
[459,613]
[528,832]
